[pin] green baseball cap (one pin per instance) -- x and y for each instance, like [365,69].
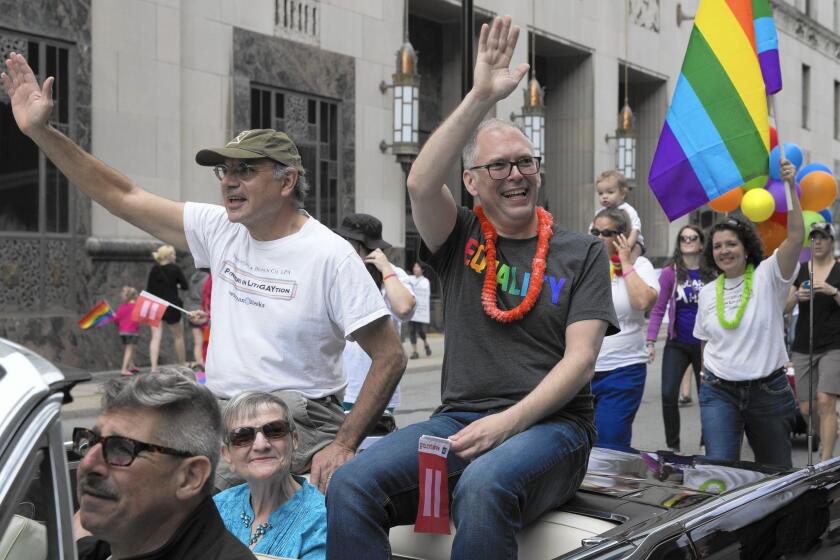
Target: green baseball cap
[254,144]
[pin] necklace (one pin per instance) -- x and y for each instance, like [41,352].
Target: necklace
[745,298]
[259,531]
[488,291]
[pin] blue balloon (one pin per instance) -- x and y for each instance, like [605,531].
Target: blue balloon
[825,213]
[793,154]
[811,167]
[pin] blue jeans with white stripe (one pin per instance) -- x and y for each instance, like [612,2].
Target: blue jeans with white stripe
[618,394]
[492,497]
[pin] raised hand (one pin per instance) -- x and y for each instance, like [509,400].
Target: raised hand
[492,77]
[31,104]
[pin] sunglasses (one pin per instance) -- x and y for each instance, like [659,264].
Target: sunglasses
[240,437]
[118,451]
[604,232]
[689,238]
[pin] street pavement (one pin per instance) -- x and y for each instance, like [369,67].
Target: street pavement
[420,395]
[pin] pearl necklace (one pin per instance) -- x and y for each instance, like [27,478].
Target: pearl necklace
[258,532]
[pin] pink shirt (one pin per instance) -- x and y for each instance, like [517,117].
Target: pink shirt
[124,323]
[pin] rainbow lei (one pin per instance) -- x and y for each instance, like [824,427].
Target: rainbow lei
[488,291]
[745,298]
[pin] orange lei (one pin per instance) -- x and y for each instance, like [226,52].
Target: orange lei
[488,292]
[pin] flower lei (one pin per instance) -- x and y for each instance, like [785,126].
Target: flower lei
[745,297]
[615,267]
[488,292]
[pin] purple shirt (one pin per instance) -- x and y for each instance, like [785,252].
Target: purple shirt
[686,306]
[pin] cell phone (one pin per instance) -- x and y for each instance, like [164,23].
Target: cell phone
[806,285]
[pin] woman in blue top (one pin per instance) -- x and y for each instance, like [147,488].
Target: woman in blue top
[680,283]
[274,512]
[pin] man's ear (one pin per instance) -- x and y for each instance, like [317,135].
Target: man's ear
[469,182]
[192,476]
[290,179]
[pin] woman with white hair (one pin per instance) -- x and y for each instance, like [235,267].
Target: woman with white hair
[274,512]
[164,280]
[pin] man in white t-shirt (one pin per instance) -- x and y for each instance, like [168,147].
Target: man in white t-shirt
[287,292]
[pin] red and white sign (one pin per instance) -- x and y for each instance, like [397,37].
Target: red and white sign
[149,309]
[433,508]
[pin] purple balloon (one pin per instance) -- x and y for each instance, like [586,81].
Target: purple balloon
[777,189]
[805,255]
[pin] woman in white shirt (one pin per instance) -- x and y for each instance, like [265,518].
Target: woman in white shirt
[740,320]
[621,367]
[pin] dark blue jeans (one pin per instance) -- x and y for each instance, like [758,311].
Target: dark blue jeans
[764,409]
[493,496]
[618,394]
[675,358]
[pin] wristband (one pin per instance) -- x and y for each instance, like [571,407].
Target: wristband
[650,343]
[389,276]
[628,271]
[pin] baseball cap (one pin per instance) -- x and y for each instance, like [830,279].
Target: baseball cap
[823,228]
[363,228]
[254,144]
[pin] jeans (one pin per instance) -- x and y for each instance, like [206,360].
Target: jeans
[618,394]
[765,410]
[492,497]
[676,357]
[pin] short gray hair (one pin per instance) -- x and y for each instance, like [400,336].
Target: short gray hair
[471,149]
[618,217]
[190,416]
[248,404]
[302,186]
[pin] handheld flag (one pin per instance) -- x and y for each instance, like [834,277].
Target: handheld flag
[433,507]
[716,135]
[149,309]
[100,314]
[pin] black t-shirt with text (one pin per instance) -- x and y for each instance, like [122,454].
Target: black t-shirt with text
[826,316]
[489,366]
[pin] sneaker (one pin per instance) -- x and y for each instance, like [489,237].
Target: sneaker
[675,450]
[134,369]
[684,401]
[414,355]
[126,372]
[428,350]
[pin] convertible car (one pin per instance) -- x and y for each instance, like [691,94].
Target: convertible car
[631,505]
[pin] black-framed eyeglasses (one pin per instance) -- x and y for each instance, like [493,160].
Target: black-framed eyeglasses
[689,238]
[118,451]
[240,437]
[501,169]
[243,171]
[604,232]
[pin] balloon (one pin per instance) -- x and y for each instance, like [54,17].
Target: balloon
[809,168]
[809,217]
[727,202]
[758,205]
[779,218]
[805,255]
[826,214]
[777,189]
[793,154]
[755,183]
[819,189]
[774,137]
[772,234]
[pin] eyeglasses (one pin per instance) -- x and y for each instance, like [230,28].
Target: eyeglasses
[604,232]
[118,451]
[240,437]
[689,238]
[502,169]
[242,171]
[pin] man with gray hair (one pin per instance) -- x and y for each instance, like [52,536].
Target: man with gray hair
[146,473]
[287,291]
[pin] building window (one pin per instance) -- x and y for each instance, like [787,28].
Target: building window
[836,110]
[806,94]
[313,124]
[36,197]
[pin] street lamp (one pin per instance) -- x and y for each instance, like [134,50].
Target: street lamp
[406,85]
[533,109]
[625,137]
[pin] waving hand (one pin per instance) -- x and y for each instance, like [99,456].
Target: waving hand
[493,77]
[31,104]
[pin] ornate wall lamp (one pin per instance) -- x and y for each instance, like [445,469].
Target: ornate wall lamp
[625,135]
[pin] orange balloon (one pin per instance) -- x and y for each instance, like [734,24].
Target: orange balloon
[728,201]
[772,234]
[819,189]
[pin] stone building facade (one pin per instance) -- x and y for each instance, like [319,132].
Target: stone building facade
[144,84]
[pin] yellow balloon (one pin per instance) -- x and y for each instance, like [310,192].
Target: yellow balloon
[758,205]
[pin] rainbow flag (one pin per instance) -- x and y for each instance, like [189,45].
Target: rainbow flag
[716,135]
[99,315]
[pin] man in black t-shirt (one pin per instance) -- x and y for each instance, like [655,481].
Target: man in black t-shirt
[517,406]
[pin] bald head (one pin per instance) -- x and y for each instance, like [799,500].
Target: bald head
[470,151]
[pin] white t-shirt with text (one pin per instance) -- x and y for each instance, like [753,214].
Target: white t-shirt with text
[757,347]
[281,310]
[628,346]
[422,293]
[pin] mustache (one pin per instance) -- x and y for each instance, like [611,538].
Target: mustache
[91,484]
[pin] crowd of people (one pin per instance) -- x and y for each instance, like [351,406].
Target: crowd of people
[299,310]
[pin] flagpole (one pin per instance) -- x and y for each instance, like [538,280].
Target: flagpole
[771,102]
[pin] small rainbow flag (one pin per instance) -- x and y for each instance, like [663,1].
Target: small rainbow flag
[100,314]
[716,135]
